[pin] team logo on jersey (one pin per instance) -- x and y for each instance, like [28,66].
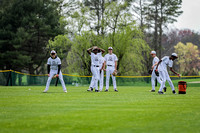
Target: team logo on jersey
[53,63]
[96,59]
[110,58]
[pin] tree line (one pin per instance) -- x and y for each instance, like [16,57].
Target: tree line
[30,29]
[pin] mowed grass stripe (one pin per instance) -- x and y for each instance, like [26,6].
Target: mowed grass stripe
[132,109]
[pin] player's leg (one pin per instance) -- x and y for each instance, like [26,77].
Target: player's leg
[96,78]
[95,74]
[107,78]
[101,80]
[159,79]
[91,83]
[114,80]
[170,82]
[62,82]
[163,77]
[153,77]
[52,73]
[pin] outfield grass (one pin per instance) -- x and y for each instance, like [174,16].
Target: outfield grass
[132,109]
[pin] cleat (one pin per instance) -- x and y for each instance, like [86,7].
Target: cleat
[45,91]
[65,91]
[116,90]
[174,92]
[90,89]
[152,91]
[160,92]
[106,90]
[96,90]
[165,89]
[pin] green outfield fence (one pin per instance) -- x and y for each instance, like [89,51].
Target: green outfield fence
[15,78]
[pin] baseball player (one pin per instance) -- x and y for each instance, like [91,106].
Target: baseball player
[54,68]
[153,75]
[101,62]
[161,69]
[111,66]
[95,65]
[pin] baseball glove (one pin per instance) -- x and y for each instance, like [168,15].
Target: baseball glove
[114,73]
[157,73]
[54,76]
[150,71]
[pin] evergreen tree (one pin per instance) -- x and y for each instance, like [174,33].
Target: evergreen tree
[25,28]
[160,13]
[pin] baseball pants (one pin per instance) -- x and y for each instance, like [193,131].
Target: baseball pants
[52,73]
[109,71]
[165,76]
[100,81]
[95,77]
[153,78]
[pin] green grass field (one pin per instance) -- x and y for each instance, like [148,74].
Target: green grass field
[132,109]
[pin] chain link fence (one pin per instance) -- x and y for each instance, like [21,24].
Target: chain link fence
[14,78]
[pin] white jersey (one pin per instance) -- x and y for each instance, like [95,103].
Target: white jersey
[110,59]
[95,58]
[155,60]
[54,63]
[165,62]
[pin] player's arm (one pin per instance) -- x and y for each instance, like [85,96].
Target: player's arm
[171,69]
[115,65]
[154,65]
[59,67]
[102,50]
[158,64]
[104,64]
[89,51]
[48,69]
[115,59]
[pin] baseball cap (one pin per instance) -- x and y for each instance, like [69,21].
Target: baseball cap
[153,52]
[175,55]
[53,51]
[110,48]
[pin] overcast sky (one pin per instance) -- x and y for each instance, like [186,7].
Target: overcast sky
[190,17]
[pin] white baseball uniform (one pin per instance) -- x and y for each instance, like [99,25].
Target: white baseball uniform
[101,73]
[153,75]
[110,63]
[95,69]
[162,68]
[53,71]
[101,61]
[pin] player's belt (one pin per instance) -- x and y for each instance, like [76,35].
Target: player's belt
[96,66]
[109,65]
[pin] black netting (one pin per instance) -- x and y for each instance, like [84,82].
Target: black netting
[19,79]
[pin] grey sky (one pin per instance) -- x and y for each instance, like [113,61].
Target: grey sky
[191,15]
